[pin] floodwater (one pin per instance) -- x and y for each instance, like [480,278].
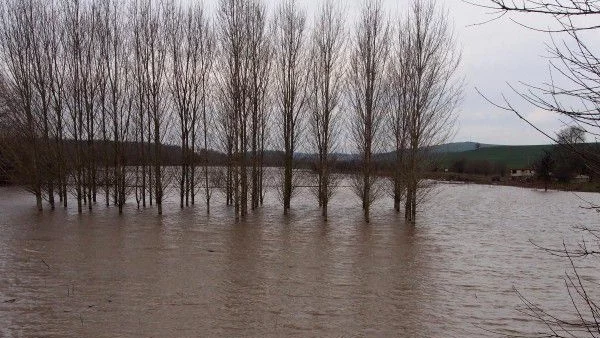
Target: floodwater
[187,274]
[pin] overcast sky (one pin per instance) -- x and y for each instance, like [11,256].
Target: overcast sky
[494,54]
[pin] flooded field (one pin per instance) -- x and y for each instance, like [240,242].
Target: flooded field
[187,274]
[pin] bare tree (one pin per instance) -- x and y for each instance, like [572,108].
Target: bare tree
[204,42]
[103,93]
[233,86]
[291,78]
[191,46]
[120,96]
[82,47]
[90,80]
[153,47]
[18,47]
[77,42]
[400,78]
[243,77]
[57,59]
[326,85]
[571,135]
[260,54]
[427,63]
[143,178]
[41,79]
[367,85]
[182,68]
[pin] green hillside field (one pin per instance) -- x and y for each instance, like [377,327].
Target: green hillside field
[511,156]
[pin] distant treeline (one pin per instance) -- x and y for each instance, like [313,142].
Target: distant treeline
[171,155]
[478,167]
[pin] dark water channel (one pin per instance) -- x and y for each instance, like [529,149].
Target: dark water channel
[187,274]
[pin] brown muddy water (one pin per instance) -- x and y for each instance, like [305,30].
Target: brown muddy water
[187,274]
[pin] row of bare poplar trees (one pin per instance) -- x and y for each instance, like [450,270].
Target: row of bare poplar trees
[86,76]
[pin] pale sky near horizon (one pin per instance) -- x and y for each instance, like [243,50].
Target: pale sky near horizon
[495,54]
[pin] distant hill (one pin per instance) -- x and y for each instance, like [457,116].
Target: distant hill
[511,156]
[457,147]
[446,148]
